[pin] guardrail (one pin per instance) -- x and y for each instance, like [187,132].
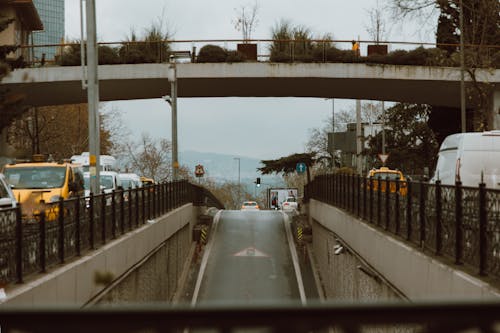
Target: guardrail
[69,228]
[455,222]
[307,50]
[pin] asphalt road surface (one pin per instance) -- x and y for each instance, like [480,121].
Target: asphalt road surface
[249,261]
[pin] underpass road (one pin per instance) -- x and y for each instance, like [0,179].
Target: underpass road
[249,261]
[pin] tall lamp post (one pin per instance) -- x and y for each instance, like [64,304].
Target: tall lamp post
[239,183]
[462,69]
[172,78]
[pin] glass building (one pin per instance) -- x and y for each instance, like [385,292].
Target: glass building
[51,13]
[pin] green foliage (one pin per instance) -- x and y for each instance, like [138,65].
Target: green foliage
[410,142]
[287,164]
[214,53]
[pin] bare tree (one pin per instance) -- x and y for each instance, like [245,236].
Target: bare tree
[150,157]
[246,19]
[377,29]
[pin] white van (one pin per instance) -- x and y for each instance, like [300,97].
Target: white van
[107,162]
[468,157]
[130,180]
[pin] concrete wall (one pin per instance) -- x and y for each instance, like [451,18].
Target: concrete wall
[74,283]
[341,278]
[414,274]
[156,279]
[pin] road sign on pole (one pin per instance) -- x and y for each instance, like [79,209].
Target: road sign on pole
[199,171]
[383,157]
[301,167]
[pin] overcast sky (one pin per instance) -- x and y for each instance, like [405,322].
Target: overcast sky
[264,128]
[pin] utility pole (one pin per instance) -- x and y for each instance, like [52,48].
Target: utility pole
[239,182]
[93,98]
[383,128]
[172,77]
[462,69]
[359,136]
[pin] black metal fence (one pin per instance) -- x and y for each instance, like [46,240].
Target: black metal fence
[68,228]
[457,222]
[289,318]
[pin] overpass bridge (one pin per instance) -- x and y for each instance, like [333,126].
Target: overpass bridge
[398,83]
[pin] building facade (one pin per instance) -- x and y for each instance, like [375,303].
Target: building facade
[52,15]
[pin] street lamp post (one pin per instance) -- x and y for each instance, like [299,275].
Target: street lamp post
[172,78]
[239,174]
[462,69]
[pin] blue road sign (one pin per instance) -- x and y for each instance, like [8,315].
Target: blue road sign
[301,167]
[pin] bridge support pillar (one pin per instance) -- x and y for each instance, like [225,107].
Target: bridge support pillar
[494,116]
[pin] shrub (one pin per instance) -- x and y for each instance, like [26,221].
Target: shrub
[212,53]
[108,55]
[235,56]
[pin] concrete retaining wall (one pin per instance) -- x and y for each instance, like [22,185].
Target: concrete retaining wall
[74,283]
[416,275]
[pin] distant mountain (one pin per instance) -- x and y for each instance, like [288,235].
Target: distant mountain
[223,167]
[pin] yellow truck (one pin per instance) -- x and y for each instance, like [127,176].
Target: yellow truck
[37,183]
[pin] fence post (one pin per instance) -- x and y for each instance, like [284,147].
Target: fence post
[409,205]
[439,225]
[129,207]
[358,195]
[421,210]
[60,206]
[91,221]
[371,200]
[122,210]
[103,218]
[397,208]
[458,224]
[19,244]
[78,244]
[113,214]
[143,205]
[387,203]
[379,197]
[155,197]
[42,241]
[483,223]
[364,198]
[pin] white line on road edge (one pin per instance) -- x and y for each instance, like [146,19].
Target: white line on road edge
[295,258]
[204,260]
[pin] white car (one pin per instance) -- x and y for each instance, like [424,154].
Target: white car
[249,205]
[7,198]
[290,203]
[109,181]
[130,180]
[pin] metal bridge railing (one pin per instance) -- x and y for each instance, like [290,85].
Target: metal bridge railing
[456,222]
[289,318]
[69,228]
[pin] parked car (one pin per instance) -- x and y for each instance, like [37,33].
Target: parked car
[249,205]
[109,181]
[290,203]
[470,158]
[7,198]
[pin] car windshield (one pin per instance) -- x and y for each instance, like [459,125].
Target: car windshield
[36,177]
[106,182]
[291,199]
[249,203]
[128,183]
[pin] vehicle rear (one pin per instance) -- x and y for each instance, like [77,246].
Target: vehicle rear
[385,177]
[250,205]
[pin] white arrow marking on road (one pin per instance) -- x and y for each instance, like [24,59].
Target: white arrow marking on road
[250,252]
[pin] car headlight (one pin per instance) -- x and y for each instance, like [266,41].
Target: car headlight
[55,198]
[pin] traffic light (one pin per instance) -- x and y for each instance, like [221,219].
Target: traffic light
[258,182]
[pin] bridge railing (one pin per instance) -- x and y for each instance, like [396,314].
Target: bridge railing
[460,224]
[288,51]
[59,231]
